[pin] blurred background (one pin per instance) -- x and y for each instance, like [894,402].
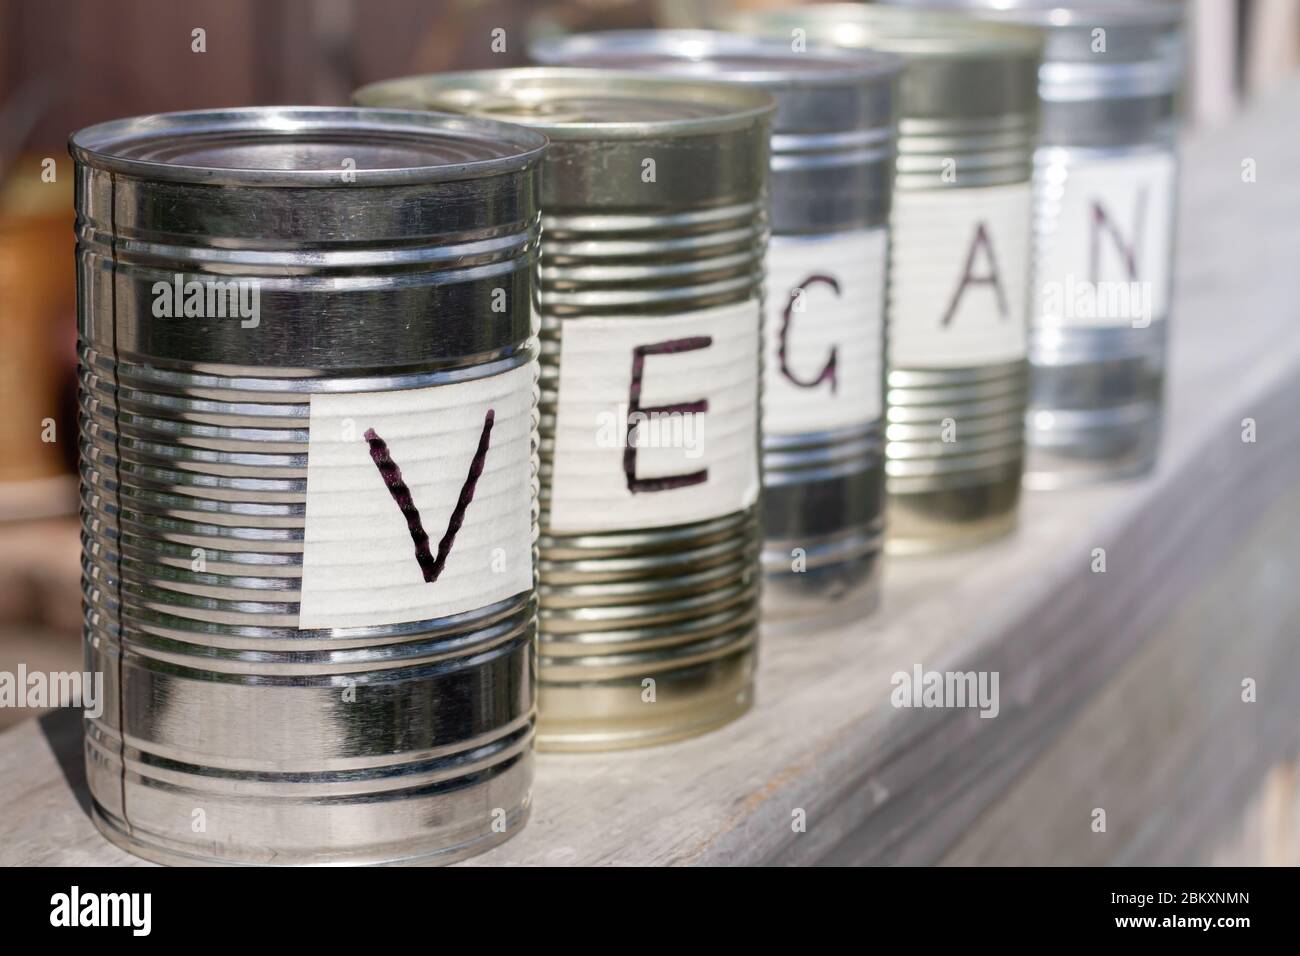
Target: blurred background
[65,64]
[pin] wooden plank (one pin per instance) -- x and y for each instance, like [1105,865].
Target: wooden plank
[1169,749]
[880,784]
[1214,59]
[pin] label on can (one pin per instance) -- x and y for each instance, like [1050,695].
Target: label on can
[419,501]
[656,420]
[824,337]
[959,276]
[1107,227]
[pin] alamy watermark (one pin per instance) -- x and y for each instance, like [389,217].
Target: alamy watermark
[133,911]
[959,689]
[633,428]
[39,690]
[209,299]
[1105,300]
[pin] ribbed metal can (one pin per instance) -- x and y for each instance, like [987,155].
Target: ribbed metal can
[1105,185]
[823,351]
[309,466]
[654,225]
[957,377]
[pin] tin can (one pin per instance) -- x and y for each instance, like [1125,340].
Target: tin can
[653,224]
[308,439]
[823,396]
[1105,185]
[959,268]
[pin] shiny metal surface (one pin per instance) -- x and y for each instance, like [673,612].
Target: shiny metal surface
[1096,401]
[231,734]
[954,494]
[674,605]
[831,175]
[968,118]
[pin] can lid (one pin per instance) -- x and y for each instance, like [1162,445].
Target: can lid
[897,29]
[581,104]
[306,146]
[1064,13]
[757,61]
[1143,46]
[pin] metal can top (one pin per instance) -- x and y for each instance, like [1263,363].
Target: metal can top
[841,80]
[715,54]
[1140,51]
[911,32]
[958,66]
[305,146]
[570,104]
[1062,13]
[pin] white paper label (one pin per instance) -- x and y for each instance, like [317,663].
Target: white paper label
[362,564]
[959,283]
[823,339]
[656,420]
[1104,252]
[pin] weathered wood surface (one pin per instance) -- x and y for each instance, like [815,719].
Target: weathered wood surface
[1170,749]
[880,784]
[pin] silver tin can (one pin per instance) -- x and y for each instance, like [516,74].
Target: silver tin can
[959,268]
[305,337]
[653,201]
[824,333]
[1105,184]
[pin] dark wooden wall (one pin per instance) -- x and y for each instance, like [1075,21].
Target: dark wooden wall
[67,63]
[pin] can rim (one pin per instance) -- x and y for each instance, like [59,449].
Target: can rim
[1048,14]
[853,66]
[908,30]
[439,91]
[1096,15]
[104,145]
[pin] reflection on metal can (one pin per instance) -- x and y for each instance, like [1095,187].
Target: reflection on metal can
[653,238]
[959,263]
[1105,183]
[308,437]
[823,395]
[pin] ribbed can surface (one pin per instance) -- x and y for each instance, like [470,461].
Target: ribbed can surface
[823,394]
[1105,183]
[304,334]
[957,378]
[651,278]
